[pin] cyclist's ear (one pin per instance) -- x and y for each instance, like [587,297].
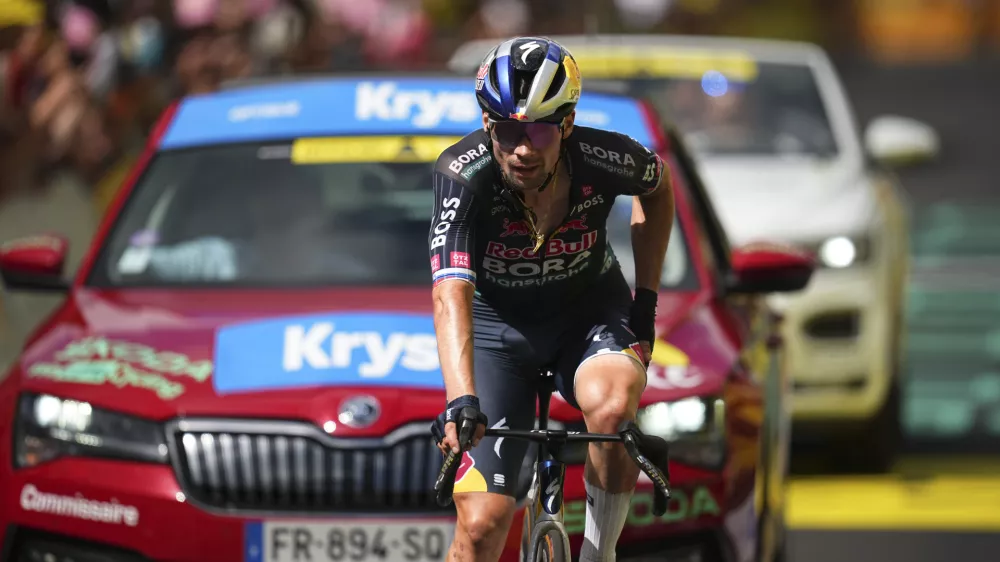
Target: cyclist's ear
[486,122]
[567,128]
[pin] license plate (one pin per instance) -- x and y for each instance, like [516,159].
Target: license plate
[348,541]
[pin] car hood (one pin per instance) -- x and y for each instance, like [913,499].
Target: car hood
[298,355]
[783,200]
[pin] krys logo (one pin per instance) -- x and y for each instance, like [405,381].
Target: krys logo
[424,109]
[370,349]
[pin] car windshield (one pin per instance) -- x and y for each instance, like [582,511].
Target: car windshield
[777,111]
[247,215]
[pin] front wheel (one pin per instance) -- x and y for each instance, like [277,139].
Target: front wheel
[549,542]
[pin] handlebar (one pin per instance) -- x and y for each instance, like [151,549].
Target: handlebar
[649,452]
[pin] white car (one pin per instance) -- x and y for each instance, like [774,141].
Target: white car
[775,138]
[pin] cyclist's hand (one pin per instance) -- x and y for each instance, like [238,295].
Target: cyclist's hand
[446,429]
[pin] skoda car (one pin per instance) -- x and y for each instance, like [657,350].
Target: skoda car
[245,369]
[775,137]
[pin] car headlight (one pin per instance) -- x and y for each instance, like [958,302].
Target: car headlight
[695,428]
[48,427]
[843,251]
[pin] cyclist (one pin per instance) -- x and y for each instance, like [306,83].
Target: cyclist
[524,282]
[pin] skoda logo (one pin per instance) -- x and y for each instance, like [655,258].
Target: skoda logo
[360,411]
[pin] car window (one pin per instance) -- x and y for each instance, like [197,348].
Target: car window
[715,243]
[677,273]
[779,110]
[246,215]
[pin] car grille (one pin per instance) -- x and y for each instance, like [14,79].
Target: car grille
[293,466]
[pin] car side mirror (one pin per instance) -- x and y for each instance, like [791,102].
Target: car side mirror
[769,268]
[34,263]
[898,141]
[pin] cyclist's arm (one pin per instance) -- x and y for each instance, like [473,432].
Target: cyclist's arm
[451,250]
[652,214]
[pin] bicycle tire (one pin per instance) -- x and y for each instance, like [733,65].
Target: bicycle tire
[549,542]
[547,548]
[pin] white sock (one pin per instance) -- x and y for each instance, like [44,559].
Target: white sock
[606,514]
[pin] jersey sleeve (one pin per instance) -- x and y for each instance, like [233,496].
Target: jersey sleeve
[451,239]
[647,170]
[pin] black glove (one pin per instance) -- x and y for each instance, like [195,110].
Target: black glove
[450,414]
[642,317]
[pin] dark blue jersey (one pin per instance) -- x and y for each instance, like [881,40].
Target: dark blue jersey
[480,235]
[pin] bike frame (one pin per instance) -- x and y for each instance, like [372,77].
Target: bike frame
[544,512]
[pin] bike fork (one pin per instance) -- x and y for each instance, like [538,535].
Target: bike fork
[543,514]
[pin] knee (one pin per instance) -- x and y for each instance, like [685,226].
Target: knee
[610,396]
[608,416]
[484,519]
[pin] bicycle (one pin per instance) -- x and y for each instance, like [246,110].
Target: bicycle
[544,534]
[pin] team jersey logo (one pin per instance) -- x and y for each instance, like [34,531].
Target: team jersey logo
[468,478]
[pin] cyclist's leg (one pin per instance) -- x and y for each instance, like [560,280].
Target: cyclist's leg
[601,373]
[487,480]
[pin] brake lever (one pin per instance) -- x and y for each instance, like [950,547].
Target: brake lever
[444,486]
[659,476]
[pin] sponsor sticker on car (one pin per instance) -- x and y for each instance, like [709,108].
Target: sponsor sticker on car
[369,349]
[78,507]
[329,150]
[665,62]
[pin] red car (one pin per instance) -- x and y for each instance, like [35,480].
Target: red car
[245,368]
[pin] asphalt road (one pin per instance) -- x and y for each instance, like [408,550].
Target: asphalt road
[883,546]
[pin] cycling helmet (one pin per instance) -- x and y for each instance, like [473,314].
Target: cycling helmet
[531,79]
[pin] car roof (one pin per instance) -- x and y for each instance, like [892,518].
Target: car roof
[363,105]
[692,53]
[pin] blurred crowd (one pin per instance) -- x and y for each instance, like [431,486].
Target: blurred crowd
[82,81]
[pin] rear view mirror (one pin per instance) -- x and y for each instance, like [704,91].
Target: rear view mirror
[34,262]
[896,141]
[769,268]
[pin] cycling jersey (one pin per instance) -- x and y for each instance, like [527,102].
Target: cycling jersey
[478,234]
[550,310]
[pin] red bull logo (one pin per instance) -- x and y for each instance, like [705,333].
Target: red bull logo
[464,466]
[510,228]
[468,478]
[519,116]
[554,247]
[520,228]
[574,224]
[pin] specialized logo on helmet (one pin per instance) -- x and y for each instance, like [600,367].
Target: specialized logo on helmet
[573,77]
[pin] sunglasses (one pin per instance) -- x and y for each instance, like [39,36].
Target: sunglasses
[508,134]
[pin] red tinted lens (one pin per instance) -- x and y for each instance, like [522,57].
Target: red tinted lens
[542,134]
[510,133]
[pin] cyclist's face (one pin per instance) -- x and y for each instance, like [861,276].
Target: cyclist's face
[527,152]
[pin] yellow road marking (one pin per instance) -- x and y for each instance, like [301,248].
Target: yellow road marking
[950,502]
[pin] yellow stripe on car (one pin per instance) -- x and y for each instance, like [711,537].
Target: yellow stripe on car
[328,150]
[625,62]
